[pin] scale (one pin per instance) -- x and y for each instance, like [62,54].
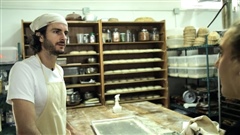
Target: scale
[189,97]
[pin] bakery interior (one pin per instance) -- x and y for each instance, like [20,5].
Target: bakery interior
[147,62]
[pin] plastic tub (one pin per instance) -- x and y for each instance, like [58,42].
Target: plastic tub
[201,60]
[61,61]
[175,42]
[173,71]
[172,61]
[70,71]
[176,32]
[8,55]
[182,72]
[200,72]
[182,61]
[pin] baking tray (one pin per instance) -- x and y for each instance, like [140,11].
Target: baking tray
[120,126]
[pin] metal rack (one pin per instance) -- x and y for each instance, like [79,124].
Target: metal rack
[210,111]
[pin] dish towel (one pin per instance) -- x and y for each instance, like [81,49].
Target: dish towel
[202,125]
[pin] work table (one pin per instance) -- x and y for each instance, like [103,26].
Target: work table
[156,117]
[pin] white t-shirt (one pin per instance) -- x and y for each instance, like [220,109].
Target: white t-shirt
[27,82]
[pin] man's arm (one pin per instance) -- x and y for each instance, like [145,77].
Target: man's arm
[25,116]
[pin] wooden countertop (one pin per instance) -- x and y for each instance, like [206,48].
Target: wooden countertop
[154,116]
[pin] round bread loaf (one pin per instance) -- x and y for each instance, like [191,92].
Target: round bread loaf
[144,19]
[213,36]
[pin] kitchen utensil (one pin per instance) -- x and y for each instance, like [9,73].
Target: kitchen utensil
[91,60]
[91,70]
[73,98]
[88,95]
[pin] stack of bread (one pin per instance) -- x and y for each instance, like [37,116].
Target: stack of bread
[202,34]
[189,35]
[213,38]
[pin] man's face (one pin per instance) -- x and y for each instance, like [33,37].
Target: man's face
[229,69]
[56,36]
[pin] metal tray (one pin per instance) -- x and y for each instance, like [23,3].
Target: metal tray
[120,126]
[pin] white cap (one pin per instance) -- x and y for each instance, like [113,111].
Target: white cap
[46,19]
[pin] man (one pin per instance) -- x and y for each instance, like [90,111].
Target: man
[37,90]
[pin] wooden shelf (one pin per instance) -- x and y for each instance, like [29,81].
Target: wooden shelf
[141,91]
[141,81]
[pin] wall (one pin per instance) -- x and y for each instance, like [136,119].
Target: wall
[13,11]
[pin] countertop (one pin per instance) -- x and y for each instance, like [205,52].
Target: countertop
[157,118]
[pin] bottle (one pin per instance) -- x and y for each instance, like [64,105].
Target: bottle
[155,35]
[104,35]
[116,35]
[117,108]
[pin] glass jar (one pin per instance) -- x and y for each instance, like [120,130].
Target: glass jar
[128,36]
[92,38]
[155,35]
[143,35]
[104,35]
[108,36]
[86,38]
[116,35]
[122,37]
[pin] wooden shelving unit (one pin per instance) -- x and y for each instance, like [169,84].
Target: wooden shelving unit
[148,78]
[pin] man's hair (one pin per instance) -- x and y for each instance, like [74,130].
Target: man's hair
[234,40]
[35,44]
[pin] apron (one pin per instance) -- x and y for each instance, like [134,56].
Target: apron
[52,121]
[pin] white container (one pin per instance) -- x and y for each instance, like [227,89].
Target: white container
[182,72]
[8,55]
[175,42]
[172,61]
[200,72]
[172,53]
[70,70]
[173,71]
[182,61]
[189,52]
[176,32]
[61,61]
[201,60]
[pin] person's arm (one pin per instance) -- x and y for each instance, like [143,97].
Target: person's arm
[72,130]
[25,117]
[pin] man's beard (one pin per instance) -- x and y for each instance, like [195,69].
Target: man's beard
[51,48]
